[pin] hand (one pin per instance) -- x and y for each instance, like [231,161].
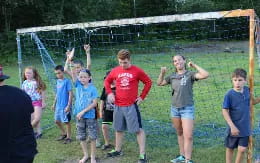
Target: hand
[70,54]
[111,98]
[234,131]
[67,109]
[191,64]
[163,70]
[87,48]
[43,105]
[138,100]
[80,115]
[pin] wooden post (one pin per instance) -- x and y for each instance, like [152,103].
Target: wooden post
[251,80]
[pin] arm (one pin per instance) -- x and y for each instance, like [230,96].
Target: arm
[147,86]
[101,106]
[87,50]
[234,130]
[54,103]
[70,55]
[201,74]
[161,81]
[91,106]
[67,109]
[256,100]
[43,99]
[108,81]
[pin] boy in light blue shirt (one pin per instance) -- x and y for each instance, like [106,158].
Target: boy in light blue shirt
[62,104]
[84,108]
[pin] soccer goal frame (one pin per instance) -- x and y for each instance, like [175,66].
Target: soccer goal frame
[254,35]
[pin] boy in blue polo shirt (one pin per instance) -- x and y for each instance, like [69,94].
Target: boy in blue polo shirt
[236,112]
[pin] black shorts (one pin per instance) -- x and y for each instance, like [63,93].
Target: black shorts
[233,142]
[107,117]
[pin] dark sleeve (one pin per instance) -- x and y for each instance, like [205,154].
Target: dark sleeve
[226,103]
[192,74]
[5,128]
[103,95]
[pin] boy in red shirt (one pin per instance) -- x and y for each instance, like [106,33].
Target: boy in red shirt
[126,113]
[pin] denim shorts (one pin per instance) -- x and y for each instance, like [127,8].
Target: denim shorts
[187,112]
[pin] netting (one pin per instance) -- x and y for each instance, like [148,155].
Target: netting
[217,45]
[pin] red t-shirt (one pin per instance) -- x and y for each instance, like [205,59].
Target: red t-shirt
[127,81]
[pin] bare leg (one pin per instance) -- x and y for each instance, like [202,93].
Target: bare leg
[119,140]
[229,155]
[240,154]
[68,130]
[177,123]
[93,151]
[187,125]
[105,131]
[36,116]
[85,151]
[59,124]
[141,141]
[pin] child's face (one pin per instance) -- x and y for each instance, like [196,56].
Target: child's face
[28,73]
[238,83]
[84,78]
[178,62]
[59,74]
[77,67]
[124,63]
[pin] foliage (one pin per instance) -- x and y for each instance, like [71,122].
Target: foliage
[8,52]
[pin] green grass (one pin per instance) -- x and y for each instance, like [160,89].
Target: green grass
[161,138]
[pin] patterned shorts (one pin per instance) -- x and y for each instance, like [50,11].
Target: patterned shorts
[86,128]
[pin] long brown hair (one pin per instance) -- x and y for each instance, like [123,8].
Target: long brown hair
[41,86]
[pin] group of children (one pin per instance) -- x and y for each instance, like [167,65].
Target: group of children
[235,110]
[85,103]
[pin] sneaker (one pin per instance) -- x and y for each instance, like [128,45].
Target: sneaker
[67,141]
[189,161]
[142,158]
[105,147]
[179,159]
[114,153]
[62,137]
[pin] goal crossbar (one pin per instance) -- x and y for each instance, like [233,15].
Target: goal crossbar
[142,20]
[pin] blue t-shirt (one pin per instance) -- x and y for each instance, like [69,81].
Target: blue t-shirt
[84,97]
[239,104]
[63,86]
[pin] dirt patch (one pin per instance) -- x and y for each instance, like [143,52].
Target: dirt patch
[214,47]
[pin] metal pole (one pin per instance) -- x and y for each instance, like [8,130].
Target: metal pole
[19,53]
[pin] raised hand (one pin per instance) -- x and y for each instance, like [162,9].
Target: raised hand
[191,64]
[163,70]
[87,48]
[70,54]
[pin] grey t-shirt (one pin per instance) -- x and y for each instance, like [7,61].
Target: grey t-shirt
[182,93]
